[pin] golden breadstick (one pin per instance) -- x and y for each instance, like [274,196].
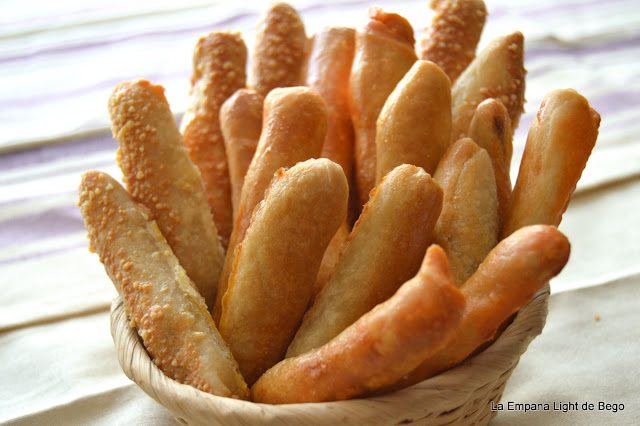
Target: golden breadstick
[219,61]
[497,72]
[384,53]
[385,248]
[159,174]
[379,348]
[241,124]
[170,316]
[277,262]
[278,51]
[331,258]
[506,280]
[559,143]
[452,38]
[414,126]
[490,128]
[467,228]
[293,130]
[327,72]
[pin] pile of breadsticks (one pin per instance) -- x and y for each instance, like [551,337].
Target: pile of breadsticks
[334,217]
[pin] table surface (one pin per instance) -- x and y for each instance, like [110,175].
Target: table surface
[60,60]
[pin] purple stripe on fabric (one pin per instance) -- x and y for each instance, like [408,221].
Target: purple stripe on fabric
[39,225]
[555,47]
[57,250]
[76,146]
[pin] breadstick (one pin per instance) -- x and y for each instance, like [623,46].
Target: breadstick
[414,126]
[160,175]
[497,72]
[277,262]
[559,143]
[384,52]
[170,316]
[467,228]
[331,258]
[506,280]
[378,348]
[241,124]
[327,71]
[219,62]
[278,51]
[384,250]
[490,128]
[293,130]
[452,38]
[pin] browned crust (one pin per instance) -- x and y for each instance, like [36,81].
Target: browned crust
[160,175]
[219,61]
[170,316]
[384,52]
[378,348]
[559,143]
[453,35]
[277,262]
[279,50]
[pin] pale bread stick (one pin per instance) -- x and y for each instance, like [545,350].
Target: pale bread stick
[327,71]
[170,316]
[506,280]
[279,50]
[497,72]
[467,228]
[219,61]
[384,52]
[490,128]
[453,35]
[385,248]
[379,348]
[160,175]
[414,126]
[559,143]
[277,262]
[293,130]
[241,124]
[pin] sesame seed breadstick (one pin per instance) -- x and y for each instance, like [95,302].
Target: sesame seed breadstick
[385,249]
[293,130]
[453,35]
[277,262]
[379,348]
[384,52]
[414,126]
[497,72]
[171,317]
[160,175]
[279,50]
[219,61]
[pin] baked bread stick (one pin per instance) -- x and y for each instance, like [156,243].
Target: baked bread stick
[497,72]
[331,258]
[277,262]
[327,71]
[506,280]
[385,249]
[241,124]
[453,35]
[384,52]
[160,175]
[219,61]
[293,130]
[278,51]
[378,348]
[559,143]
[467,228]
[490,128]
[169,314]
[414,126]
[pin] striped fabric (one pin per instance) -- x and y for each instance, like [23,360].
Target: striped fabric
[60,60]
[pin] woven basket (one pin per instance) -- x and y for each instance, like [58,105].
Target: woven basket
[461,395]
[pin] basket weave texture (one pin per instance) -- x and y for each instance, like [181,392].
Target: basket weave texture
[461,395]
